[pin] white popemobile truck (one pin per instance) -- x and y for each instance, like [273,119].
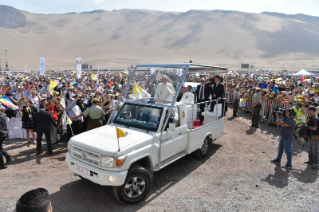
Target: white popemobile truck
[154,134]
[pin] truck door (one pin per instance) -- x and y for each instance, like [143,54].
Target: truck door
[176,141]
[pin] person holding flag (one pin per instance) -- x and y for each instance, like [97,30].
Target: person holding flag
[73,110]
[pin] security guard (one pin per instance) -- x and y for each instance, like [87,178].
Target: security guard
[256,108]
[313,138]
[95,112]
[297,109]
[236,101]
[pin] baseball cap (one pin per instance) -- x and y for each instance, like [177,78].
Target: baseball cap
[311,108]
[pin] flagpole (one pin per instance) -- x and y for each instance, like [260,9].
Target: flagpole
[71,130]
[118,142]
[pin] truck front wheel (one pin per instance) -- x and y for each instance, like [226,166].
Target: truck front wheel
[137,186]
[202,152]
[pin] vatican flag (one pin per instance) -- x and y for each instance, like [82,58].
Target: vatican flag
[53,84]
[120,133]
[68,120]
[93,77]
[139,92]
[242,100]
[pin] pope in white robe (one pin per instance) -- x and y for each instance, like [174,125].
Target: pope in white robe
[164,91]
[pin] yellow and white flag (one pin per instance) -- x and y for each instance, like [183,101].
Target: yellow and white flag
[68,120]
[93,77]
[120,133]
[139,92]
[53,84]
[242,100]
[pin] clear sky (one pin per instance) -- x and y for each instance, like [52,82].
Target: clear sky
[309,7]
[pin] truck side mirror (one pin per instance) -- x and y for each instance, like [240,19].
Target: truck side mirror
[171,127]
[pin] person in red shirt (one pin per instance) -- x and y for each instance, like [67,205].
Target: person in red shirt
[54,113]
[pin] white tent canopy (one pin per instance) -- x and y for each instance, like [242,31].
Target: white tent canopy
[303,72]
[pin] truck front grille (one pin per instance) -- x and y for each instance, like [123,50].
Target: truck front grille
[85,156]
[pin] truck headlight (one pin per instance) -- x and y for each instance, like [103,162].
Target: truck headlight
[107,161]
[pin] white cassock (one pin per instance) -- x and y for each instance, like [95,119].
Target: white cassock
[188,98]
[164,92]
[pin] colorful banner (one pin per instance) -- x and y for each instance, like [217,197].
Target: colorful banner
[79,67]
[42,66]
[262,85]
[8,103]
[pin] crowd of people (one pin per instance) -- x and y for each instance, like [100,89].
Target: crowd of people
[76,104]
[69,107]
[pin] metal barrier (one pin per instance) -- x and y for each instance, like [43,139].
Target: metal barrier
[268,106]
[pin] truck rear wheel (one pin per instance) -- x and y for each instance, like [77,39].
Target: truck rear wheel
[202,152]
[137,186]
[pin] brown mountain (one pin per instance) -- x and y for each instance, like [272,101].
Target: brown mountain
[127,37]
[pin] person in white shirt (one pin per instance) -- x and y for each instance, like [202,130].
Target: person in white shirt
[188,97]
[19,92]
[35,99]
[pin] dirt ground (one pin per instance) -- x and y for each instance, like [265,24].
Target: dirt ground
[236,176]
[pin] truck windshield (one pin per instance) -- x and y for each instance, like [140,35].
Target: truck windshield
[154,85]
[139,116]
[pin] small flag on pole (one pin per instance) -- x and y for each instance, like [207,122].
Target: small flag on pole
[93,77]
[53,84]
[120,133]
[139,92]
[68,120]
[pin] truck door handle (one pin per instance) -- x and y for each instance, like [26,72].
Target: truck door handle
[180,133]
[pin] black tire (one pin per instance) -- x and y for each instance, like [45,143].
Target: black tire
[136,188]
[202,152]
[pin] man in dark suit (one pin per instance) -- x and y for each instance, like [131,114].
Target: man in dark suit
[202,94]
[3,136]
[142,116]
[42,124]
[217,93]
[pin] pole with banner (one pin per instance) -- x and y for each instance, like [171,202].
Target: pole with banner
[98,67]
[25,68]
[42,66]
[79,67]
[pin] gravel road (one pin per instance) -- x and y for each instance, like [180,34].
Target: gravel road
[236,176]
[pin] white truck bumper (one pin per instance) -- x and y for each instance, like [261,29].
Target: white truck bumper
[98,176]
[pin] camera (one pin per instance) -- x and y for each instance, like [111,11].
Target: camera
[281,112]
[301,131]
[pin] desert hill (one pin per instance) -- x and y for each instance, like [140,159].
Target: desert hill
[122,38]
